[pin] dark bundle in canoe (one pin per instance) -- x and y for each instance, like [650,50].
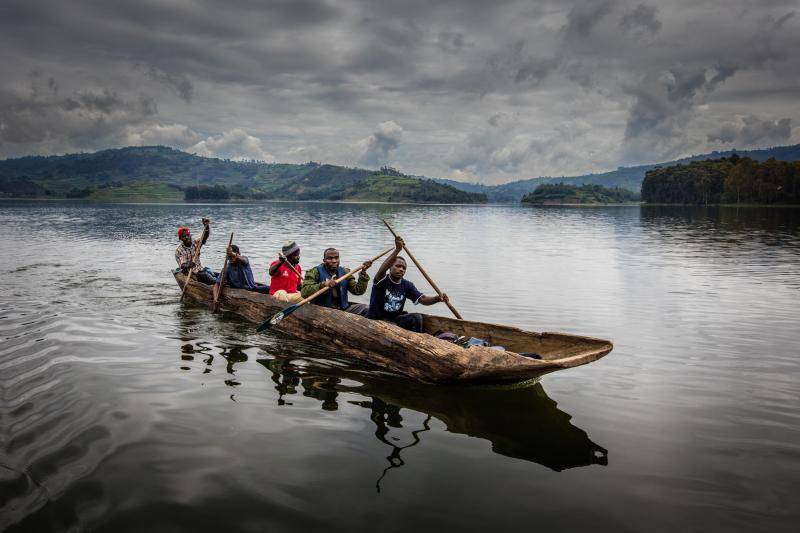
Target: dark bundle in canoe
[418,355]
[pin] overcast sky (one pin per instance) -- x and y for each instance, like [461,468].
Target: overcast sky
[470,90]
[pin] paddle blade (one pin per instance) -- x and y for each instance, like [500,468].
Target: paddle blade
[277,317]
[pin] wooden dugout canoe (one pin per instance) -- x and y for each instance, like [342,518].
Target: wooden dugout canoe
[417,355]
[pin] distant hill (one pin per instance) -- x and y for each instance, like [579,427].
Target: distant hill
[627,177]
[559,193]
[164,174]
[733,180]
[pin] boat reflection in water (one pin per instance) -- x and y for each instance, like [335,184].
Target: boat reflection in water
[520,421]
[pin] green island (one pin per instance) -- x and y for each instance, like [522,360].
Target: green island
[732,180]
[563,194]
[161,174]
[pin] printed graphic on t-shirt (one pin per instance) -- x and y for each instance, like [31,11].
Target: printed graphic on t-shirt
[393,302]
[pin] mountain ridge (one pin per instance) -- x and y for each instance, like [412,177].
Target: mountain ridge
[627,177]
[165,174]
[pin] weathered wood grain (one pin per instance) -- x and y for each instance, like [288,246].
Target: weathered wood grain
[418,355]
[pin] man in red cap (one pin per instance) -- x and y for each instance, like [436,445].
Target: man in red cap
[185,254]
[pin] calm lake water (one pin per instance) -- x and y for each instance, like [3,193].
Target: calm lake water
[122,409]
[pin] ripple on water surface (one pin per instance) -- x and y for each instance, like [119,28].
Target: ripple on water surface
[125,409]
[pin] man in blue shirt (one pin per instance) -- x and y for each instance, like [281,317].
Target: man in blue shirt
[390,292]
[240,275]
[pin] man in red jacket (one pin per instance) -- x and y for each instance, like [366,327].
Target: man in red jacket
[286,274]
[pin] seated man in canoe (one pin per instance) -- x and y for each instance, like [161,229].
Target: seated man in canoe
[390,291]
[187,257]
[239,274]
[324,275]
[286,274]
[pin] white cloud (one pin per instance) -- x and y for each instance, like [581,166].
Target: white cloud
[375,149]
[173,135]
[233,144]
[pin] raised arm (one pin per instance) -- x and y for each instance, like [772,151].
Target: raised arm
[273,270]
[398,245]
[206,230]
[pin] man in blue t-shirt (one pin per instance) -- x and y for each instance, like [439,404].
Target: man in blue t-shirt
[240,275]
[390,292]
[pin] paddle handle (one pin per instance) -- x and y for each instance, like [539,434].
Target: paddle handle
[294,270]
[339,280]
[195,257]
[221,279]
[425,274]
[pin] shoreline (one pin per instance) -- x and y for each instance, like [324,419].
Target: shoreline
[234,202]
[380,202]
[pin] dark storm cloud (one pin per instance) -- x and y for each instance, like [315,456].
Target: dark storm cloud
[584,16]
[752,130]
[42,113]
[663,105]
[640,18]
[666,97]
[589,84]
[180,84]
[243,41]
[453,42]
[663,96]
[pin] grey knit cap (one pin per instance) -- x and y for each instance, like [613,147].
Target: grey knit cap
[289,248]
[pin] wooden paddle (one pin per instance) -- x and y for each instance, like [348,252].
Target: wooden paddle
[195,257]
[286,260]
[217,290]
[280,315]
[433,284]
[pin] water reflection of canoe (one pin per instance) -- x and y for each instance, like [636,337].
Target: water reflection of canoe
[523,423]
[419,356]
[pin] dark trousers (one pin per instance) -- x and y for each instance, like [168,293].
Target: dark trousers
[358,309]
[263,289]
[409,321]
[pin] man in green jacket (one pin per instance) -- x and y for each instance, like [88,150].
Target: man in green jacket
[324,275]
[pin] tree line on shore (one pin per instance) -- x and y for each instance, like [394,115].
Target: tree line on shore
[732,180]
[562,193]
[204,192]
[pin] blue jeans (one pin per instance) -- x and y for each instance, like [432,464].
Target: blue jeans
[207,276]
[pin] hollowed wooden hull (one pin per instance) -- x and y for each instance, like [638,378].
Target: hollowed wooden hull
[417,355]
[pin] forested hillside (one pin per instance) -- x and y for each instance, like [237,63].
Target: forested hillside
[733,180]
[164,174]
